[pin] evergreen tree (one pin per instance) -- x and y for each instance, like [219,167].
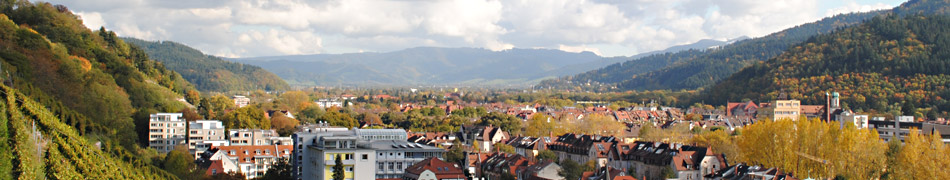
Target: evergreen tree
[338,169]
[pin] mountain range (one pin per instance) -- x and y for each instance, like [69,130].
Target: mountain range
[693,69]
[209,73]
[442,66]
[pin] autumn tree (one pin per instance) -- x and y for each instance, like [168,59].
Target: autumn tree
[719,141]
[193,97]
[295,100]
[283,124]
[215,106]
[920,156]
[813,148]
[248,117]
[601,125]
[190,114]
[371,118]
[539,125]
[502,147]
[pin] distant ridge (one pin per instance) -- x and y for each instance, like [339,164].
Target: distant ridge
[209,73]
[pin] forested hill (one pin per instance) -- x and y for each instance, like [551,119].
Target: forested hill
[887,64]
[89,80]
[209,73]
[690,70]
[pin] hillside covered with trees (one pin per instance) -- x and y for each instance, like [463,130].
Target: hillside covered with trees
[80,87]
[209,73]
[689,70]
[889,64]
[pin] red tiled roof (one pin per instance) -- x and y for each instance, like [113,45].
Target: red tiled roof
[246,154]
[441,168]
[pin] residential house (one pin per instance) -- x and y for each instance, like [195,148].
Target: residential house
[651,159]
[252,161]
[501,164]
[582,148]
[240,101]
[483,136]
[529,146]
[544,170]
[736,109]
[434,169]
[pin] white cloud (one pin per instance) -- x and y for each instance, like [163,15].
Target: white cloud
[578,49]
[92,20]
[245,28]
[853,6]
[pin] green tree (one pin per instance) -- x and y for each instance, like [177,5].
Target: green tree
[338,168]
[282,169]
[181,163]
[570,169]
[502,147]
[457,153]
[545,155]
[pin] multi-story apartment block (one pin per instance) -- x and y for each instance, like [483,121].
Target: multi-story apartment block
[203,134]
[898,130]
[786,109]
[165,131]
[365,153]
[241,101]
[239,137]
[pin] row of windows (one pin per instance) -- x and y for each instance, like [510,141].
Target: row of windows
[392,166]
[787,112]
[787,104]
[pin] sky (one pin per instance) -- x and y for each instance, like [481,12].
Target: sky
[252,28]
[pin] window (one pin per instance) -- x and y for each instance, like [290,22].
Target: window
[365,156]
[391,166]
[349,169]
[214,171]
[399,165]
[380,166]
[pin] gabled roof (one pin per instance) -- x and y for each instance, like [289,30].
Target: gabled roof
[246,154]
[441,168]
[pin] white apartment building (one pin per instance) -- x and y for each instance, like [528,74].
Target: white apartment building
[243,137]
[241,101]
[366,153]
[203,134]
[327,103]
[165,131]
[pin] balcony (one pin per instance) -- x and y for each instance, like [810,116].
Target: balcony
[345,162]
